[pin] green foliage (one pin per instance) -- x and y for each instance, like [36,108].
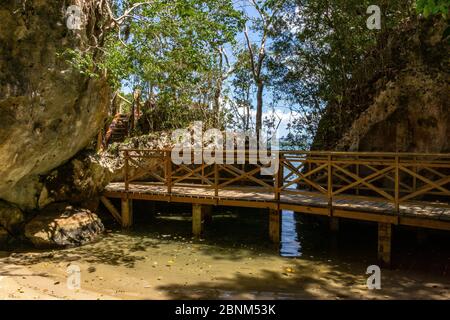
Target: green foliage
[83,62]
[318,46]
[433,7]
[169,117]
[170,50]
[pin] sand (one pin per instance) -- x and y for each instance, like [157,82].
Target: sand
[235,260]
[139,267]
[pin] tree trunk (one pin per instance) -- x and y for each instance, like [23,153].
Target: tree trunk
[259,108]
[216,107]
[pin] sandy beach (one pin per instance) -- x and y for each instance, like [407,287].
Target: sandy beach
[159,265]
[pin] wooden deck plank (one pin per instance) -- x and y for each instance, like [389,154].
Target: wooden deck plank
[312,202]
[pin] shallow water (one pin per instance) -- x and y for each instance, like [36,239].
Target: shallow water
[158,259]
[290,243]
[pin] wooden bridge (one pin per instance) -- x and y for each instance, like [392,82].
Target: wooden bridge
[385,188]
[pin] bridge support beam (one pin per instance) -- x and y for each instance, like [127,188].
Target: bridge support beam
[384,243]
[127,213]
[334,224]
[201,214]
[207,214]
[422,236]
[275,225]
[334,229]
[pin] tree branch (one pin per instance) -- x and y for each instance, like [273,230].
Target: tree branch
[118,21]
[252,56]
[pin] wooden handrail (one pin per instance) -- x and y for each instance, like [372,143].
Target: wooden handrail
[391,177]
[306,152]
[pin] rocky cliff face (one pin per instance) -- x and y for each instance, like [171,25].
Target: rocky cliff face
[49,111]
[402,107]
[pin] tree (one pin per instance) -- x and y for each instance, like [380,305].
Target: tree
[224,71]
[267,11]
[242,84]
[173,51]
[318,49]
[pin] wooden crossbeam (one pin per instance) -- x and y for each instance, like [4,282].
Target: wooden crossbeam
[241,175]
[287,163]
[114,212]
[193,173]
[359,180]
[304,177]
[143,173]
[439,174]
[144,170]
[430,185]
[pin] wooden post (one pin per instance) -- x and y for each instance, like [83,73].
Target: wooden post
[127,213]
[334,224]
[168,161]
[309,170]
[152,207]
[384,243]
[421,236]
[397,185]
[330,186]
[216,180]
[127,169]
[279,180]
[207,214]
[275,225]
[197,220]
[334,228]
[415,171]
[357,173]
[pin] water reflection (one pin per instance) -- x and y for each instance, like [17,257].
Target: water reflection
[290,243]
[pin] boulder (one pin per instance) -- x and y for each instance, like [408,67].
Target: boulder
[4,237]
[63,226]
[11,218]
[11,222]
[78,182]
[49,110]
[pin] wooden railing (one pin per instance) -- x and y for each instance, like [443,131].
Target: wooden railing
[394,178]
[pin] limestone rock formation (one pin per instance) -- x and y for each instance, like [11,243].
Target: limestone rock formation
[49,111]
[10,217]
[78,182]
[411,115]
[63,226]
[11,220]
[402,107]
